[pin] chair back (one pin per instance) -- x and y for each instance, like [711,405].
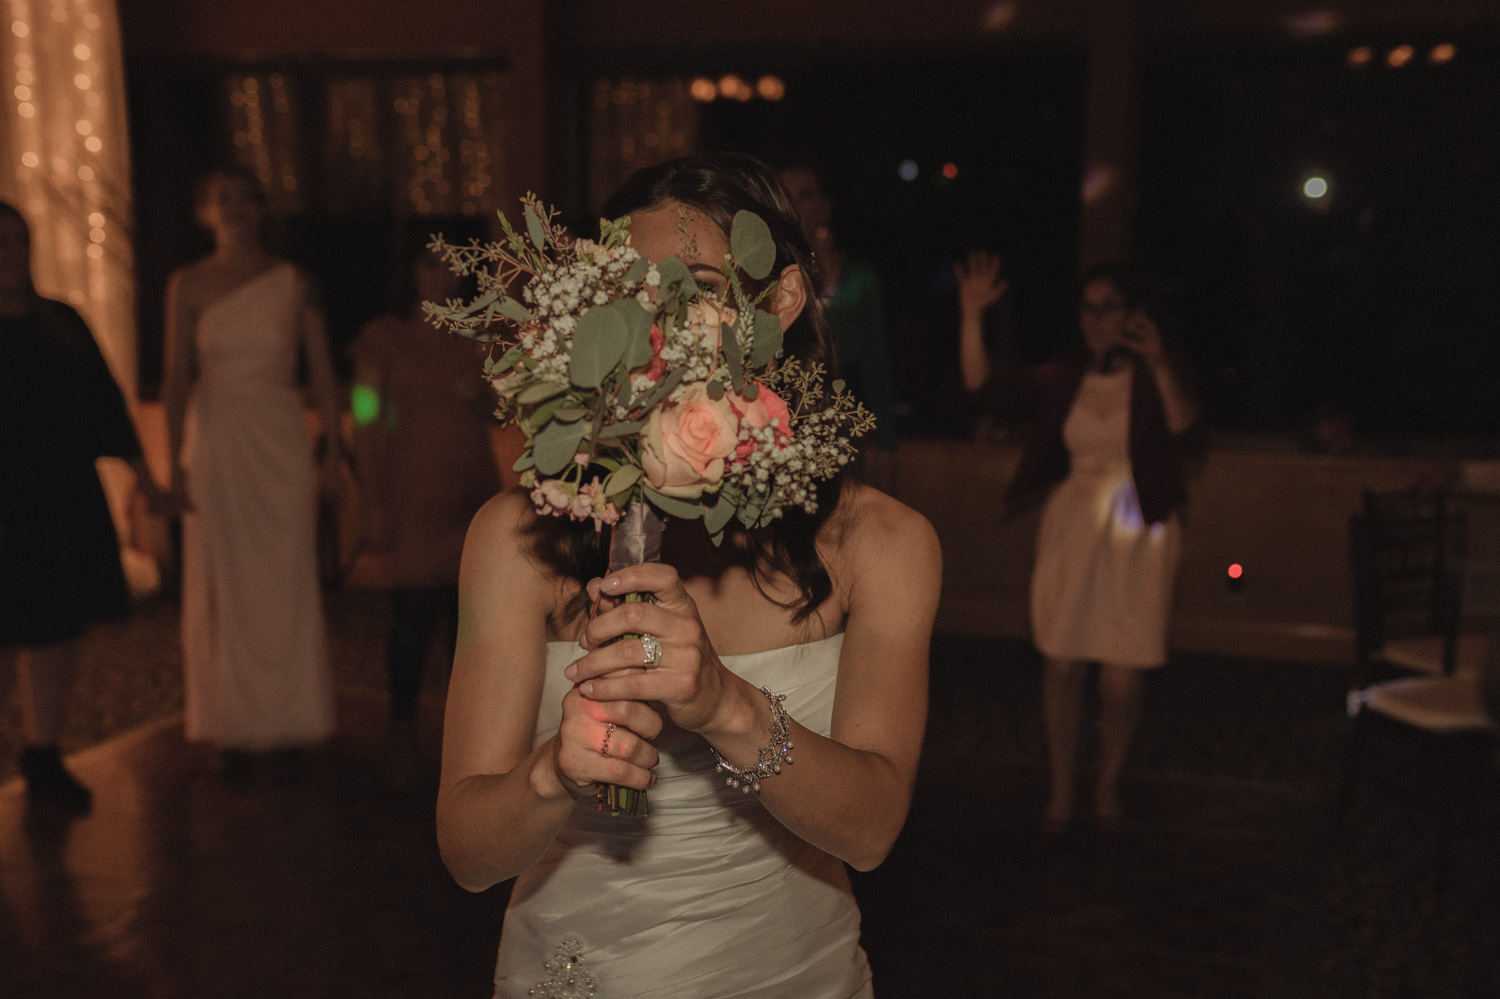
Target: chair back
[1407,556]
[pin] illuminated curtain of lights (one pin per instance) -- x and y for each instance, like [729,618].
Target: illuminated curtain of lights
[637,123]
[64,139]
[264,128]
[429,144]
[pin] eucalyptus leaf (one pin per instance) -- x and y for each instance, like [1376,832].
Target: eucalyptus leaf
[556,445]
[571,414]
[675,272]
[524,462]
[622,480]
[638,324]
[637,271]
[598,342]
[538,392]
[733,359]
[481,303]
[512,309]
[652,396]
[542,415]
[673,506]
[838,385]
[767,339]
[751,243]
[719,515]
[752,391]
[622,429]
[716,389]
[534,228]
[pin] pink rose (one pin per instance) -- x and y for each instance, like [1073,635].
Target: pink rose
[759,412]
[685,444]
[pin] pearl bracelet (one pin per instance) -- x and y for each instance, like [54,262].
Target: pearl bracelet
[771,757]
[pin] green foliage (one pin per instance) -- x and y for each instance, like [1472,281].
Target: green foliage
[751,243]
[598,344]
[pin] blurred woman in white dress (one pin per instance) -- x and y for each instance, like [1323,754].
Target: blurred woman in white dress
[254,656]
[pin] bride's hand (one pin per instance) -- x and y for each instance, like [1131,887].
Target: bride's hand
[582,757]
[689,681]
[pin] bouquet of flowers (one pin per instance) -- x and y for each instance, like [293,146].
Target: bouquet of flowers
[641,394]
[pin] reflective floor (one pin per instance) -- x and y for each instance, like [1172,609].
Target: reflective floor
[324,881]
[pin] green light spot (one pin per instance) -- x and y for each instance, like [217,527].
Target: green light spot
[364,403]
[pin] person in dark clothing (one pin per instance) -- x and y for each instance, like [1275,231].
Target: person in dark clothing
[60,409]
[1114,421]
[850,292]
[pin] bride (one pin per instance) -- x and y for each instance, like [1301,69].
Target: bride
[824,619]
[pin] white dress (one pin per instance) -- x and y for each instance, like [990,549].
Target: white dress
[1102,587]
[708,896]
[254,656]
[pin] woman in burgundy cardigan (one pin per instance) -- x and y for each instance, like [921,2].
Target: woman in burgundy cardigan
[1114,422]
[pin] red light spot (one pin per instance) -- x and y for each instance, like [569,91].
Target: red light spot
[950,170]
[1236,571]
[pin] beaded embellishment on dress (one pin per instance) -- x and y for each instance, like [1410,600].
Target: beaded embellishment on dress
[566,978]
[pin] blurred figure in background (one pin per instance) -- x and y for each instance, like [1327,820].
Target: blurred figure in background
[1113,420]
[421,435]
[254,650]
[60,409]
[850,291]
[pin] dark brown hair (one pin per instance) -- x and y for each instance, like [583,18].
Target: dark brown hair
[227,171]
[718,185]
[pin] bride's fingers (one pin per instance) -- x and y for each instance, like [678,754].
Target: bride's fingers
[656,578]
[638,619]
[626,655]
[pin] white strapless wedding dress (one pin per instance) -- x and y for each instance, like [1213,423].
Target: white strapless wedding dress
[707,897]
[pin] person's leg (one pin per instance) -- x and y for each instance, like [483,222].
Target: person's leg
[1120,690]
[44,672]
[414,614]
[1062,702]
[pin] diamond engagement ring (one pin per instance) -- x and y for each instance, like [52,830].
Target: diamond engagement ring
[609,730]
[651,649]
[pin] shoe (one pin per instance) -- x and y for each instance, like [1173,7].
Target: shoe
[49,782]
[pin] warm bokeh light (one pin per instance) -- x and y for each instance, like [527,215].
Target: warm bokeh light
[1236,571]
[1399,56]
[1310,23]
[733,87]
[703,89]
[907,170]
[1000,15]
[1442,53]
[950,170]
[771,88]
[1315,187]
[1361,55]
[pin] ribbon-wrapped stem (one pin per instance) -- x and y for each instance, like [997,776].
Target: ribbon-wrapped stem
[635,539]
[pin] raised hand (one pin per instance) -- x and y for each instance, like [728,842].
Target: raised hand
[980,283]
[688,679]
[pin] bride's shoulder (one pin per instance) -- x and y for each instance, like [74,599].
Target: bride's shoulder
[872,530]
[508,539]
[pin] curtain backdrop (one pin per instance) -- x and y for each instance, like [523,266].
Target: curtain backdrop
[65,161]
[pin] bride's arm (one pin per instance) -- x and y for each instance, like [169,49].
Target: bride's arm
[847,794]
[501,802]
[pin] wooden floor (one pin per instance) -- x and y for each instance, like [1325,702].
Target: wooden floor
[1224,883]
